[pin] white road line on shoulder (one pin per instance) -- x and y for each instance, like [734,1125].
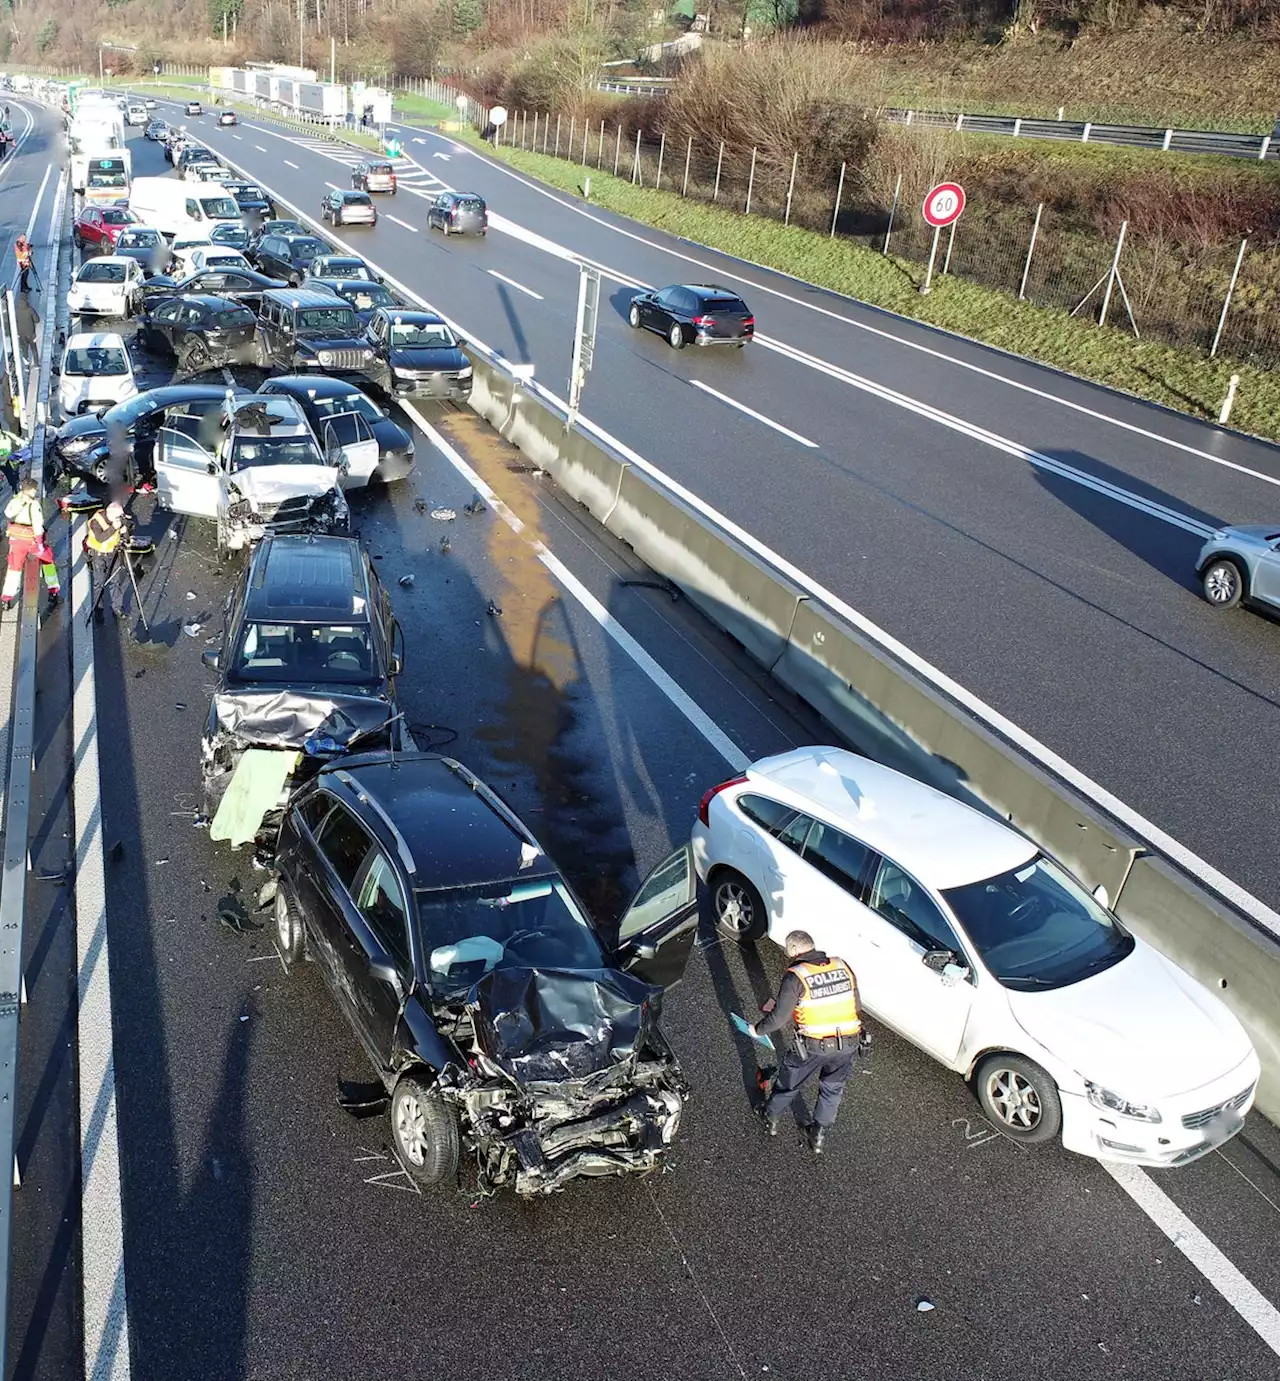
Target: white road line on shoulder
[511,282]
[1229,1281]
[751,412]
[105,1301]
[683,702]
[333,186]
[399,222]
[294,165]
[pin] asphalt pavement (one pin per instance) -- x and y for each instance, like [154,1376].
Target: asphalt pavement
[1031,535]
[270,1235]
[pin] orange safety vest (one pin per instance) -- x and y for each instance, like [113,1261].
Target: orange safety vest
[22,253]
[828,1005]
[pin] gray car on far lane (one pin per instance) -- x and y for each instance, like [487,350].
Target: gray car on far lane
[1241,563]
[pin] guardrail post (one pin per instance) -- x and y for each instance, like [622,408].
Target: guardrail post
[600,150]
[786,217]
[1264,147]
[835,215]
[1061,112]
[959,122]
[1168,139]
[1017,126]
[688,154]
[909,115]
[715,195]
[557,152]
[617,150]
[751,181]
[1031,249]
[635,161]
[893,211]
[662,149]
[1231,287]
[1224,413]
[1084,138]
[586,135]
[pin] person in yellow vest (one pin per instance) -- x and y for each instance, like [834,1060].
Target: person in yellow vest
[818,996]
[25,515]
[102,542]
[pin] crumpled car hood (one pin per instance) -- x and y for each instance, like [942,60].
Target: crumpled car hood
[274,483]
[286,717]
[553,1024]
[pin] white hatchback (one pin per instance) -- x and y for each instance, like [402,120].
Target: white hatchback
[106,286]
[983,951]
[95,373]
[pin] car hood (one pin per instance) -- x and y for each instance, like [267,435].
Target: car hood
[549,1025]
[290,716]
[1142,1028]
[320,342]
[422,357]
[1253,532]
[86,425]
[272,484]
[97,289]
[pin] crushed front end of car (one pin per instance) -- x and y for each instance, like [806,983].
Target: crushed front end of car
[568,1076]
[250,516]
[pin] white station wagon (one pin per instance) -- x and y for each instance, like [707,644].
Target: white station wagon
[983,951]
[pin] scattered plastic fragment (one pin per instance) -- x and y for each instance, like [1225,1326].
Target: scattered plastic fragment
[138,675]
[245,1017]
[160,862]
[201,822]
[492,608]
[406,581]
[923,1306]
[445,546]
[477,505]
[192,630]
[443,515]
[191,594]
[179,704]
[1195,1299]
[420,505]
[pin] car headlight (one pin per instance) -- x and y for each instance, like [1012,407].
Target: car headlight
[366,354]
[325,357]
[76,445]
[400,373]
[464,373]
[1113,1103]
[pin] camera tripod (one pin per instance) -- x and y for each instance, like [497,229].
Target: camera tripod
[122,559]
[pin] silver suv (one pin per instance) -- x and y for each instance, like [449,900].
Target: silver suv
[1241,563]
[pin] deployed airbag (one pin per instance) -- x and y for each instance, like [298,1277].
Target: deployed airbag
[254,789]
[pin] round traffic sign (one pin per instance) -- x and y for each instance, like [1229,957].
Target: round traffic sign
[944,204]
[461,102]
[498,115]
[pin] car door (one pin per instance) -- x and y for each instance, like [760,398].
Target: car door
[439,213]
[349,444]
[160,325]
[766,847]
[657,931]
[187,476]
[1266,580]
[828,888]
[342,847]
[382,934]
[666,309]
[927,1003]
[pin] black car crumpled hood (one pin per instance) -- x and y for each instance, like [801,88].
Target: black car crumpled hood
[427,357]
[290,716]
[548,1025]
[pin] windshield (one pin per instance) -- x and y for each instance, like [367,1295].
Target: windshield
[96,359]
[117,215]
[366,299]
[250,194]
[339,268]
[226,260]
[328,321]
[248,451]
[101,273]
[351,402]
[220,208]
[106,180]
[433,334]
[515,924]
[305,652]
[139,239]
[1036,927]
[304,249]
[235,235]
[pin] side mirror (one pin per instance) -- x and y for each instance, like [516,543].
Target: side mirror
[210,658]
[938,959]
[384,970]
[644,950]
[1101,895]
[397,666]
[212,467]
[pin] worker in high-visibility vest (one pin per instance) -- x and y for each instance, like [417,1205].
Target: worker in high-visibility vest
[819,997]
[25,515]
[106,529]
[22,253]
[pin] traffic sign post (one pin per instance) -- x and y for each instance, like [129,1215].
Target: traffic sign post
[584,341]
[942,207]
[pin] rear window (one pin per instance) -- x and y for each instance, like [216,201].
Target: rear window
[469,204]
[734,306]
[306,249]
[239,316]
[382,169]
[117,215]
[366,299]
[94,360]
[101,273]
[358,199]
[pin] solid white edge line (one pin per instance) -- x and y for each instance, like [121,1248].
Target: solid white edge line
[403,224]
[751,412]
[683,702]
[511,282]
[1040,753]
[1230,1282]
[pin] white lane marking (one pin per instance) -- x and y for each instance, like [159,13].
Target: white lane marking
[751,412]
[687,706]
[333,186]
[294,165]
[259,148]
[1229,1281]
[1133,428]
[399,222]
[511,282]
[1053,762]
[235,136]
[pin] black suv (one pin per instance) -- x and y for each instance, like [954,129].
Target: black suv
[288,257]
[299,328]
[417,355]
[192,155]
[310,652]
[499,1016]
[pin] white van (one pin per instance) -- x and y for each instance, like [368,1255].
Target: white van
[180,207]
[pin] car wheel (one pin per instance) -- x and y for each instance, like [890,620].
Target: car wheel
[291,939]
[193,357]
[444,225]
[1020,1098]
[1223,583]
[633,316]
[260,355]
[738,909]
[675,336]
[425,1128]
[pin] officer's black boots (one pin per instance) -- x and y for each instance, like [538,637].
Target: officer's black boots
[817,1135]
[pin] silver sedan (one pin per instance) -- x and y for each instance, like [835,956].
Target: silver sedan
[1241,563]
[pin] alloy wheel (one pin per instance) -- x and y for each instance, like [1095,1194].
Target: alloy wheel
[411,1129]
[734,909]
[1015,1099]
[1222,584]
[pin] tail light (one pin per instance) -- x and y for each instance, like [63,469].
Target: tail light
[749,321]
[704,321]
[705,804]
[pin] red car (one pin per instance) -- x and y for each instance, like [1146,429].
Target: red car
[98,227]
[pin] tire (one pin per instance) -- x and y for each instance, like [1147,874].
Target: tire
[193,357]
[633,316]
[291,939]
[675,336]
[425,1129]
[737,907]
[260,355]
[445,227]
[1019,1098]
[1223,583]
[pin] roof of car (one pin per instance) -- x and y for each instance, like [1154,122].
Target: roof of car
[283,416]
[409,317]
[214,302]
[455,834]
[939,840]
[303,297]
[313,385]
[344,258]
[107,259]
[315,579]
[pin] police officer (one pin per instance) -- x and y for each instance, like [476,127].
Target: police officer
[102,542]
[819,995]
[25,515]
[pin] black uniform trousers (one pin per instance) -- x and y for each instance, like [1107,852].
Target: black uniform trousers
[832,1067]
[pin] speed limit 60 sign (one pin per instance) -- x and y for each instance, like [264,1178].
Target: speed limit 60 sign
[944,204]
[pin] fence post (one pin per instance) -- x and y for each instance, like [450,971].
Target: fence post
[662,149]
[1031,249]
[751,181]
[557,149]
[893,211]
[791,186]
[546,132]
[1061,111]
[586,135]
[1231,287]
[617,149]
[835,215]
[1111,277]
[1017,127]
[688,154]
[951,239]
[573,119]
[635,161]
[600,150]
[715,195]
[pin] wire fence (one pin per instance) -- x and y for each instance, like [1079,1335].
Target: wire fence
[1220,298]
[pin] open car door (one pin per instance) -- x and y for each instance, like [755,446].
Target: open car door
[347,437]
[187,477]
[657,931]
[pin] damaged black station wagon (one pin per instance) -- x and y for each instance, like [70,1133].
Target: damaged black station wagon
[505,1026]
